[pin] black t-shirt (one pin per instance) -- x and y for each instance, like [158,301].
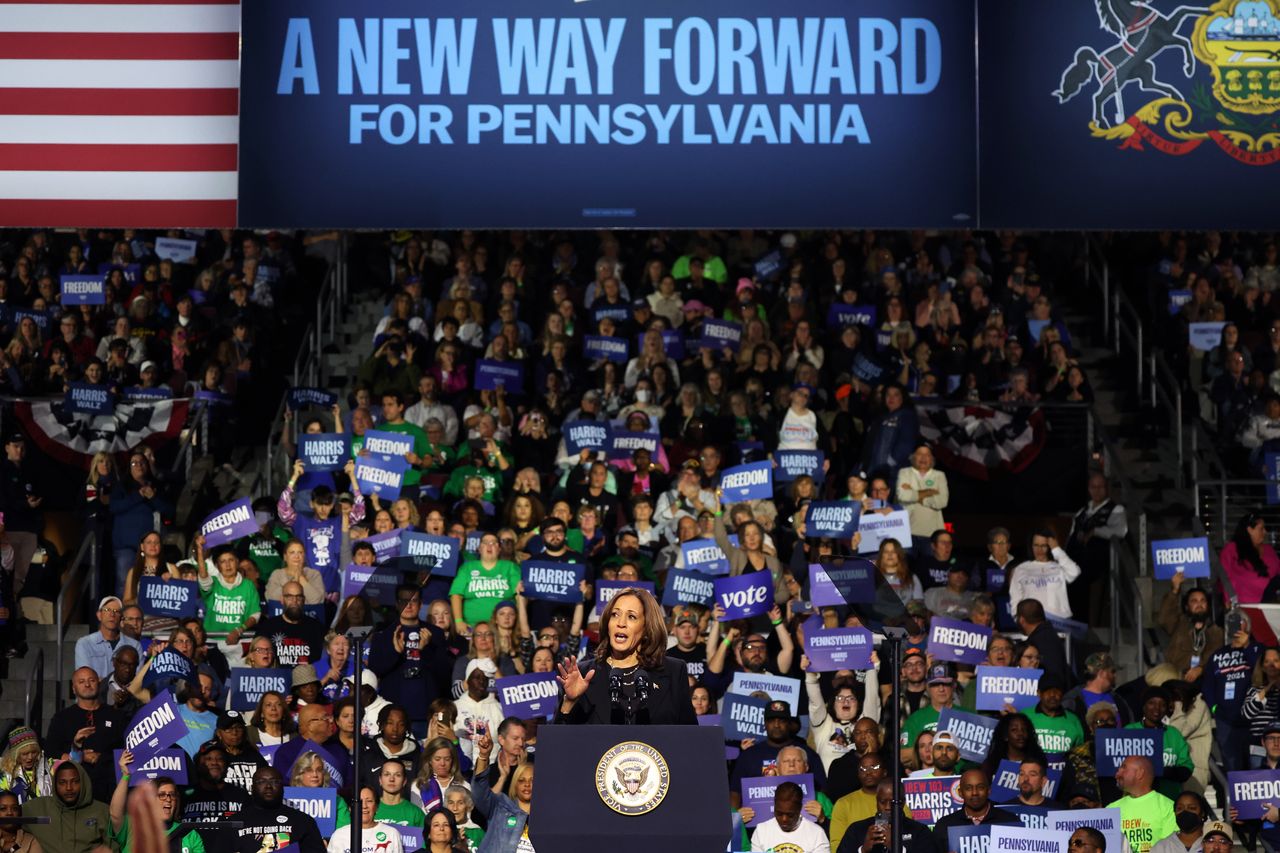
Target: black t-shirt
[295,643]
[285,824]
[695,659]
[240,768]
[207,806]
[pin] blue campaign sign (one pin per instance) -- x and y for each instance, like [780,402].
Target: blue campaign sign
[743,596]
[301,398]
[528,696]
[320,803]
[156,727]
[212,398]
[492,375]
[742,717]
[602,346]
[996,579]
[383,478]
[841,314]
[378,583]
[548,580]
[425,552]
[176,599]
[617,313]
[176,249]
[233,521]
[757,793]
[410,837]
[1004,785]
[998,686]
[1178,298]
[386,445]
[168,665]
[840,584]
[324,451]
[138,394]
[720,334]
[1031,817]
[838,648]
[275,608]
[831,519]
[971,731]
[1113,746]
[1190,557]
[167,762]
[1251,791]
[768,266]
[40,318]
[795,463]
[130,272]
[957,641]
[969,839]
[672,343]
[246,686]
[750,482]
[606,590]
[89,399]
[654,97]
[685,587]
[1205,336]
[622,443]
[386,546]
[704,555]
[82,289]
[585,435]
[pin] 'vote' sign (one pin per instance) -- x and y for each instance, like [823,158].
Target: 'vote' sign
[744,596]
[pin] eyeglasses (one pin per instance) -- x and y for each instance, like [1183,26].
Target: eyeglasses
[483,634]
[112,611]
[867,768]
[166,795]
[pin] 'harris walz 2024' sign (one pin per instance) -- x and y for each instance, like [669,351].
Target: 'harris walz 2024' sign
[626,106]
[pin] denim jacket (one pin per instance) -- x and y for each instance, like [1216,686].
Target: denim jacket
[506,818]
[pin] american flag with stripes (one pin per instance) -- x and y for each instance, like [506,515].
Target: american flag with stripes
[119,113]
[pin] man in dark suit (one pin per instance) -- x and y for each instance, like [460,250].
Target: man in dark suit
[871,835]
[975,790]
[1041,634]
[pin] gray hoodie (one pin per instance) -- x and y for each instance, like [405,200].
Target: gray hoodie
[76,828]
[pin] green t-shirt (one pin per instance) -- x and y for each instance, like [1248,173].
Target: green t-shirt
[227,609]
[1176,754]
[1145,820]
[923,720]
[482,590]
[264,551]
[403,813]
[413,476]
[191,842]
[458,480]
[1057,734]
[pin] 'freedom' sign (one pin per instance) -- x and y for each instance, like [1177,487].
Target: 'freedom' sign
[528,696]
[705,556]
[750,482]
[83,290]
[156,727]
[1004,785]
[168,762]
[1113,746]
[685,587]
[88,398]
[381,477]
[232,522]
[623,443]
[839,584]
[972,732]
[606,590]
[387,445]
[324,451]
[548,580]
[247,685]
[1251,791]
[173,598]
[603,346]
[838,648]
[426,552]
[1007,685]
[958,642]
[320,803]
[758,791]
[743,596]
[1188,557]
[831,519]
[585,435]
[720,334]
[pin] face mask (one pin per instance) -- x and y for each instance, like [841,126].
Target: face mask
[642,396]
[1188,821]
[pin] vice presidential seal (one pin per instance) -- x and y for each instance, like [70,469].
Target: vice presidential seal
[632,778]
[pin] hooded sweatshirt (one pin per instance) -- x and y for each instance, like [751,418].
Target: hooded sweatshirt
[75,828]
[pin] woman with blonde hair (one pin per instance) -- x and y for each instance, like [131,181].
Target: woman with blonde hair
[441,767]
[24,770]
[295,569]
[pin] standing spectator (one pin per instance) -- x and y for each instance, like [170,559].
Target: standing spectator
[1045,576]
[231,600]
[87,731]
[137,508]
[409,657]
[320,530]
[96,650]
[480,584]
[1157,705]
[1099,682]
[20,501]
[1094,529]
[194,702]
[942,691]
[1262,704]
[267,818]
[1031,619]
[892,435]
[1225,684]
[1193,636]
[922,490]
[297,637]
[1057,730]
[1249,562]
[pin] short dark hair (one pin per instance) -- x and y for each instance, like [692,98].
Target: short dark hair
[387,711]
[507,723]
[322,495]
[1031,610]
[788,792]
[1096,838]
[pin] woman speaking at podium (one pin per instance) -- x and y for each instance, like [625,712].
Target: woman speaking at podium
[631,681]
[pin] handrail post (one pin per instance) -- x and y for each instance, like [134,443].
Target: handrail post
[1114,574]
[1115,328]
[1177,427]
[1137,356]
[1112,318]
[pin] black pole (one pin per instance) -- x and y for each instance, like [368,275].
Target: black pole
[356,637]
[893,642]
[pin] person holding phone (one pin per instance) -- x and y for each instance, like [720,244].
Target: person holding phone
[871,835]
[410,657]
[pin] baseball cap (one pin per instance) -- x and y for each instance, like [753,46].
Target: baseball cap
[484,665]
[914,652]
[304,673]
[110,598]
[366,678]
[777,710]
[208,747]
[1272,728]
[844,391]
[694,305]
[686,619]
[942,673]
[639,302]
[744,284]
[147,365]
[944,738]
[1218,827]
[229,720]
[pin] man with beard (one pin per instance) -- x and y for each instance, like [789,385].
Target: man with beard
[90,729]
[1192,635]
[269,824]
[553,549]
[243,759]
[687,647]
[298,638]
[1032,774]
[77,822]
[410,658]
[196,699]
[946,755]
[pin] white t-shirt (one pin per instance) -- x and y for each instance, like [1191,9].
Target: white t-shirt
[380,838]
[798,432]
[807,838]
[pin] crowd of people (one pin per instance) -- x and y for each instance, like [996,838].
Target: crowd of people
[734,349]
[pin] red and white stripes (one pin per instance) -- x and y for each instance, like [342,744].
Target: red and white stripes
[119,114]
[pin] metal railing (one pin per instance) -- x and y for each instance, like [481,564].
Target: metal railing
[1166,396]
[33,703]
[88,550]
[1220,504]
